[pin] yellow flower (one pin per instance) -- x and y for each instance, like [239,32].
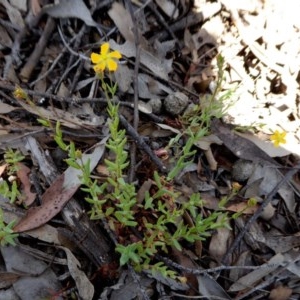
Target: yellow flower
[19,93]
[278,138]
[105,60]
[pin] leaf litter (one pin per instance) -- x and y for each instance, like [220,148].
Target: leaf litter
[178,46]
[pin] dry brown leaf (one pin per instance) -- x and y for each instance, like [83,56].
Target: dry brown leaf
[39,280]
[123,21]
[168,7]
[167,127]
[8,278]
[266,146]
[5,40]
[19,4]
[144,107]
[46,233]
[2,169]
[145,187]
[6,108]
[156,130]
[27,197]
[186,262]
[255,276]
[102,170]
[209,288]
[219,243]
[54,199]
[14,14]
[244,259]
[85,288]
[205,142]
[240,146]
[275,240]
[35,7]
[160,67]
[262,181]
[280,293]
[70,9]
[242,206]
[67,119]
[59,193]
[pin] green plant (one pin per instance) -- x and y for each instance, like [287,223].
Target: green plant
[158,220]
[196,121]
[7,234]
[9,188]
[210,106]
[10,191]
[166,227]
[12,158]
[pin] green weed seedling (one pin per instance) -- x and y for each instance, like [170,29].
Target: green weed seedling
[7,235]
[10,189]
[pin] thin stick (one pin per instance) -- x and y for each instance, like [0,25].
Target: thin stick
[135,88]
[34,58]
[141,144]
[198,271]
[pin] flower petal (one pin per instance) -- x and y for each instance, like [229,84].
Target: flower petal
[95,58]
[115,54]
[104,49]
[99,67]
[111,65]
[278,138]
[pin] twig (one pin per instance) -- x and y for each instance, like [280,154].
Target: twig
[10,87]
[212,270]
[76,77]
[30,22]
[163,22]
[255,216]
[55,62]
[34,58]
[8,25]
[5,85]
[175,85]
[190,20]
[71,64]
[136,66]
[141,144]
[136,90]
[67,45]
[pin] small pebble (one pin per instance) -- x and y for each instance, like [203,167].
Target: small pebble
[156,104]
[242,169]
[155,145]
[176,103]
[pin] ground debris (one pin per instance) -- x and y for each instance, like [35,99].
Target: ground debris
[164,60]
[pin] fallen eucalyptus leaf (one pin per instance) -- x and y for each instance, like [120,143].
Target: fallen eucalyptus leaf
[159,67]
[59,193]
[70,9]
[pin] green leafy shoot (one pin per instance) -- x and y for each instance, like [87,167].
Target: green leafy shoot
[7,235]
